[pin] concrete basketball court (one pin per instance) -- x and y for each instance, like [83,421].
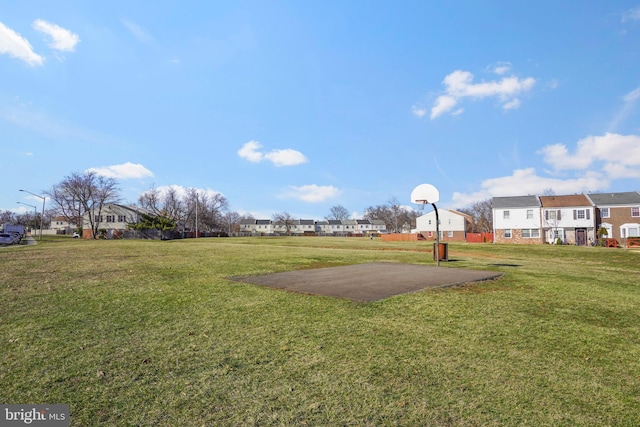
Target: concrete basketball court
[368,282]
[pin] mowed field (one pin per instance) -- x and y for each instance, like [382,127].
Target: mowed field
[155,333]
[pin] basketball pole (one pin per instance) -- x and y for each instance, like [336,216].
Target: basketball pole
[437,235]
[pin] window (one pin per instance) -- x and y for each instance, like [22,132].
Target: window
[629,230]
[552,215]
[450,233]
[505,215]
[529,213]
[635,211]
[507,233]
[604,212]
[110,218]
[530,233]
[122,218]
[580,214]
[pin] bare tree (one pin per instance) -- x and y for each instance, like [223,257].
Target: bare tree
[203,210]
[7,216]
[338,212]
[231,221]
[84,194]
[395,216]
[481,213]
[283,220]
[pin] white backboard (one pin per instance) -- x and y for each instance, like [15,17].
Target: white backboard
[425,193]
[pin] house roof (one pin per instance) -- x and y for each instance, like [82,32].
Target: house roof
[263,221]
[565,201]
[615,199]
[363,221]
[307,222]
[515,202]
[335,222]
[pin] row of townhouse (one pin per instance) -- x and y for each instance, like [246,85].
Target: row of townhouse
[331,227]
[572,219]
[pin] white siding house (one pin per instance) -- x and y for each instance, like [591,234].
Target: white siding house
[517,219]
[571,219]
[453,225]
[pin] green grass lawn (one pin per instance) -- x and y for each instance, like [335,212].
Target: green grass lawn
[154,333]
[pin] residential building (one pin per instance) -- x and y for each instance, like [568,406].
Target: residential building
[618,213]
[364,226]
[453,225]
[349,227]
[517,219]
[378,226]
[112,220]
[336,227]
[60,223]
[568,219]
[303,226]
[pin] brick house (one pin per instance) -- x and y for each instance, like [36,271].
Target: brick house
[618,213]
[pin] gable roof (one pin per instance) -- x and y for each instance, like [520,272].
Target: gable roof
[615,199]
[515,202]
[565,201]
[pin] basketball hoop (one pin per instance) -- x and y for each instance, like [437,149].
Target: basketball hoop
[427,193]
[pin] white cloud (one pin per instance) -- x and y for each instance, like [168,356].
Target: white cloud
[249,151]
[629,102]
[502,68]
[13,44]
[459,85]
[631,14]
[595,162]
[611,152]
[124,171]
[62,39]
[286,157]
[527,181]
[418,111]
[281,157]
[311,193]
[138,32]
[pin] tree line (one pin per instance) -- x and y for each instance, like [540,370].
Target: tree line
[168,208]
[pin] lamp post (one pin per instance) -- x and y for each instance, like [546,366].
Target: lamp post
[41,216]
[35,212]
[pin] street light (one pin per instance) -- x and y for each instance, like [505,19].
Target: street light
[35,212]
[41,216]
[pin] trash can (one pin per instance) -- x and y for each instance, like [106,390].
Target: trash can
[443,253]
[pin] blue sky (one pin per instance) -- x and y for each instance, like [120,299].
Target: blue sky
[299,106]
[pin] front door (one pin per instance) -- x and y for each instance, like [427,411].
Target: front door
[581,237]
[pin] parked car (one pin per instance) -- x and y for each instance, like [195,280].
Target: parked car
[6,239]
